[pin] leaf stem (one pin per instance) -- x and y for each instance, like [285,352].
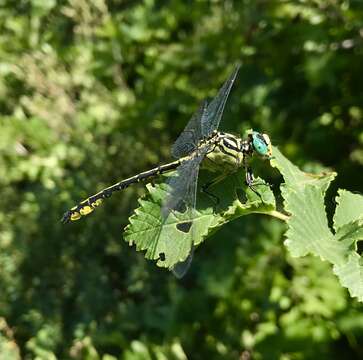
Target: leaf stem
[278,214]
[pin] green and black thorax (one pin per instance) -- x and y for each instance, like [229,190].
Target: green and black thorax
[228,152]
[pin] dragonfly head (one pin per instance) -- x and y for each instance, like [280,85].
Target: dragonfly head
[261,144]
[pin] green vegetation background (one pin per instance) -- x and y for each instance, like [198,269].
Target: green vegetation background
[95,91]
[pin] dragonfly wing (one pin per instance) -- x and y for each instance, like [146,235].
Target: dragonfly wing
[204,121]
[181,199]
[188,140]
[183,186]
[181,268]
[216,106]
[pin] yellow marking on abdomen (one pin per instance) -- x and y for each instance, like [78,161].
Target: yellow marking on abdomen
[85,209]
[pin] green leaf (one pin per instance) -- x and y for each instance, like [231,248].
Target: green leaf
[297,179]
[350,275]
[303,195]
[308,225]
[348,223]
[162,239]
[350,233]
[308,231]
[150,232]
[349,208]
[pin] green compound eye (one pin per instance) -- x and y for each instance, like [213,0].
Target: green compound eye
[261,144]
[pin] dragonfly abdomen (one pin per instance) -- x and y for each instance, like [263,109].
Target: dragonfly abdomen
[88,205]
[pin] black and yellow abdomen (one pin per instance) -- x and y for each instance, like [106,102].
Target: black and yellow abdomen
[87,206]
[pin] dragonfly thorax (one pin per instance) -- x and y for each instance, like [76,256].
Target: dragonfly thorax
[225,152]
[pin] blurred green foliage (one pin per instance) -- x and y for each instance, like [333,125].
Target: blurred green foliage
[92,92]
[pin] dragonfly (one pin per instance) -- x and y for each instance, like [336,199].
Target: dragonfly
[200,145]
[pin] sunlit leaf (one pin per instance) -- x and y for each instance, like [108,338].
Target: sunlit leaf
[165,241]
[308,231]
[349,208]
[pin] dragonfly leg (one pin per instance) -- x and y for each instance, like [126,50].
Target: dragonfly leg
[250,180]
[205,188]
[213,197]
[251,184]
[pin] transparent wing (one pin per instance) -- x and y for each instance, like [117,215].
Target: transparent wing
[204,121]
[211,121]
[181,199]
[182,267]
[183,186]
[189,138]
